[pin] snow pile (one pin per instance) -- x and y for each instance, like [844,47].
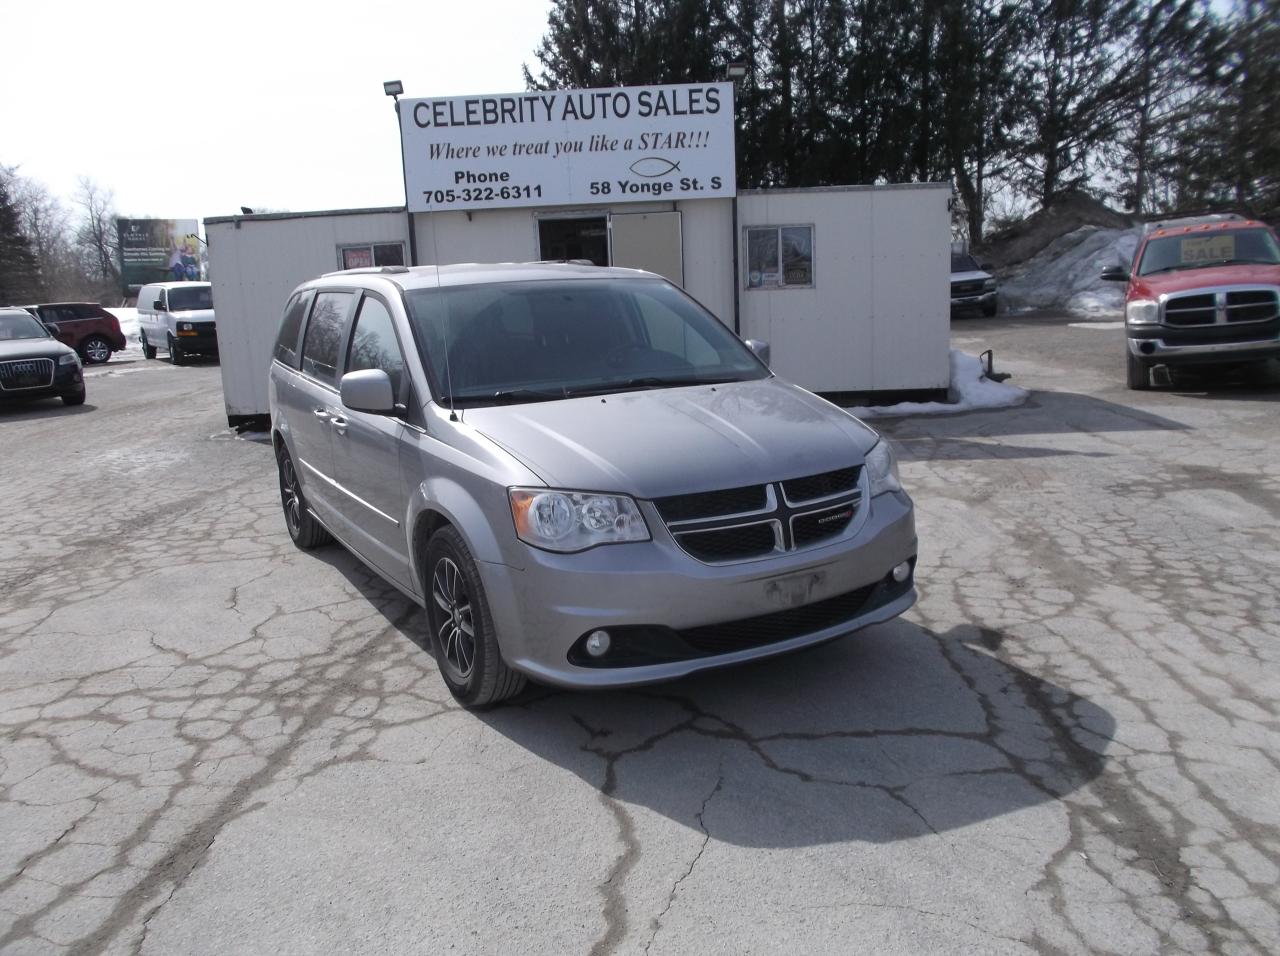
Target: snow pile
[970,391]
[1065,274]
[128,323]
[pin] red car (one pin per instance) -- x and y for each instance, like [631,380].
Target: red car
[1201,291]
[86,326]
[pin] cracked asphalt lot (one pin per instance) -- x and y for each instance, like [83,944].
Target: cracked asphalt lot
[213,743]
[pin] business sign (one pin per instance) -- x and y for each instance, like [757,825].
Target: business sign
[569,147]
[157,250]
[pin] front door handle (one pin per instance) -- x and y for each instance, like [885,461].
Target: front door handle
[321,414]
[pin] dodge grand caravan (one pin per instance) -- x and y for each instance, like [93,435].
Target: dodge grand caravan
[580,473]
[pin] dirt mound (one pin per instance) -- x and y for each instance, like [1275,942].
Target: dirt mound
[1023,240]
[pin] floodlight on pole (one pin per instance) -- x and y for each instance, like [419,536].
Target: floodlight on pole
[736,71]
[393,88]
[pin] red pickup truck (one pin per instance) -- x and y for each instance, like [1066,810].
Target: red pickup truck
[86,326]
[1201,291]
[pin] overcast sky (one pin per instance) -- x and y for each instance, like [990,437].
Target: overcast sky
[189,110]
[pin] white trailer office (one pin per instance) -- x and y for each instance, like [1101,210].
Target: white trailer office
[849,285]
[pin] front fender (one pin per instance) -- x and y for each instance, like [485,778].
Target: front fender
[481,523]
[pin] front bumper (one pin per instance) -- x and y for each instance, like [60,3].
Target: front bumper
[985,301]
[1162,352]
[67,380]
[541,611]
[200,340]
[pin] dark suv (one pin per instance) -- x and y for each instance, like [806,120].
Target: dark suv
[86,326]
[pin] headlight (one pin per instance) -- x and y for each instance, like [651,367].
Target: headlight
[575,520]
[882,469]
[1142,312]
[69,359]
[989,285]
[185,326]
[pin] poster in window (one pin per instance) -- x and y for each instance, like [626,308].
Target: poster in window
[762,258]
[797,255]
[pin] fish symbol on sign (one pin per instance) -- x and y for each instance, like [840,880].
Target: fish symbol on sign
[653,166]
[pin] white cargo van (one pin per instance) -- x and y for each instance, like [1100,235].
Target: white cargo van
[177,317]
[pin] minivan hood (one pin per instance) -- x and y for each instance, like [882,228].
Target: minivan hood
[194,315]
[678,440]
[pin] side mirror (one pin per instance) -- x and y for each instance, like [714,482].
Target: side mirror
[158,306]
[760,347]
[368,390]
[1115,274]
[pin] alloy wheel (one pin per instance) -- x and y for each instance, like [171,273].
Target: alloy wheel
[453,620]
[290,497]
[97,350]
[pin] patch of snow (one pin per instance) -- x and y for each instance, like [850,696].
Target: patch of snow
[970,389]
[1066,274]
[1096,325]
[128,323]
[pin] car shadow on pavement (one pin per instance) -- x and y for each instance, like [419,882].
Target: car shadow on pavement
[1243,384]
[889,734]
[38,408]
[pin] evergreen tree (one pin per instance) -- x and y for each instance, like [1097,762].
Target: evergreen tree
[19,274]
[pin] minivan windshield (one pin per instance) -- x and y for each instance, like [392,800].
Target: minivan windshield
[188,298]
[543,340]
[1196,250]
[21,327]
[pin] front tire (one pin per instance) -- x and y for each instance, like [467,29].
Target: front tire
[148,351]
[75,398]
[176,355]
[989,310]
[462,631]
[1138,373]
[95,350]
[304,529]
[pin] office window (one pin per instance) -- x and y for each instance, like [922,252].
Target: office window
[779,257]
[367,254]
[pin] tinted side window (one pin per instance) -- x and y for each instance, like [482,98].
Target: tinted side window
[323,336]
[374,345]
[290,327]
[89,311]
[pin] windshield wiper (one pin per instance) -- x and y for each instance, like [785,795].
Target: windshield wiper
[508,396]
[646,381]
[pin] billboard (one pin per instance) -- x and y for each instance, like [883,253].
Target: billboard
[569,147]
[157,250]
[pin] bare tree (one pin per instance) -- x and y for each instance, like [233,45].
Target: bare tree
[96,237]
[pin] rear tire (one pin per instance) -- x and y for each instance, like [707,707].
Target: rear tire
[176,355]
[95,350]
[462,633]
[1138,373]
[148,351]
[304,529]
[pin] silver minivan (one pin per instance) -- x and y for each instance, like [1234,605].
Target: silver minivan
[177,317]
[583,476]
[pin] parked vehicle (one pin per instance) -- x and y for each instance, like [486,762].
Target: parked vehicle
[33,364]
[1201,291]
[973,289]
[85,326]
[177,317]
[582,475]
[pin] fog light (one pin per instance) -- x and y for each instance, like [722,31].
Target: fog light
[598,643]
[902,572]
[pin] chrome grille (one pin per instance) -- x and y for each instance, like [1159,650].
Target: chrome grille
[1222,307]
[738,524]
[19,374]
